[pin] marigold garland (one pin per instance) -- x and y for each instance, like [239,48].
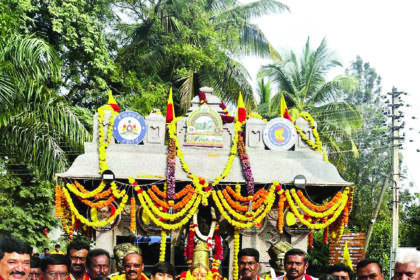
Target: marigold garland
[179,205]
[162,246]
[236,236]
[97,223]
[249,216]
[84,193]
[178,195]
[167,226]
[99,204]
[242,208]
[312,213]
[58,201]
[189,246]
[103,144]
[317,146]
[239,197]
[282,199]
[310,239]
[133,214]
[246,165]
[319,208]
[325,223]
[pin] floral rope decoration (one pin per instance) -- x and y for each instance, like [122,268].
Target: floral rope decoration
[251,218]
[235,254]
[103,144]
[218,248]
[170,172]
[189,246]
[329,211]
[84,193]
[246,166]
[179,205]
[261,193]
[319,208]
[162,246]
[317,146]
[282,199]
[133,214]
[187,190]
[326,221]
[97,223]
[243,208]
[99,204]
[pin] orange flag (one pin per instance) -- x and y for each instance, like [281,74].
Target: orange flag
[112,102]
[170,112]
[241,112]
[284,112]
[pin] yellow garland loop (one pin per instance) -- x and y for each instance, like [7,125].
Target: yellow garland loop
[162,246]
[98,223]
[270,202]
[116,192]
[244,218]
[165,225]
[185,166]
[73,189]
[312,213]
[318,144]
[166,216]
[307,223]
[103,145]
[235,254]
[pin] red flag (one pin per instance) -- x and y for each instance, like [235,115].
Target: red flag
[170,112]
[241,113]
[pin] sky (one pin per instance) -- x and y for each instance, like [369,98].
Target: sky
[384,33]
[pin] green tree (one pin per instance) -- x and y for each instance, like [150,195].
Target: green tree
[36,125]
[264,94]
[191,44]
[303,81]
[25,209]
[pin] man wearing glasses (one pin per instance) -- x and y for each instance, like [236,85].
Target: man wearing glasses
[15,257]
[56,267]
[342,271]
[407,265]
[248,264]
[36,272]
[77,252]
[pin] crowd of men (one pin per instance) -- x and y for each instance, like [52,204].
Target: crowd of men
[82,263]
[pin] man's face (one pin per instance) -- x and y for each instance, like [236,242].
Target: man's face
[78,261]
[14,266]
[133,266]
[248,267]
[56,272]
[370,272]
[99,266]
[161,276]
[35,273]
[295,266]
[406,271]
[104,213]
[46,252]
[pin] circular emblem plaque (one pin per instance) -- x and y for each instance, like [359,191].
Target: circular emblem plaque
[280,134]
[129,128]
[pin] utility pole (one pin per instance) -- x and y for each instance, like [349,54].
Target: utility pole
[396,125]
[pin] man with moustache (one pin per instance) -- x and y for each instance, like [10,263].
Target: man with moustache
[15,259]
[77,252]
[295,265]
[133,267]
[56,267]
[97,263]
[369,269]
[407,265]
[248,264]
[36,272]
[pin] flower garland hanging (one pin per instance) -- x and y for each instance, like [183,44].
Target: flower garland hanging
[311,239]
[189,244]
[84,193]
[162,246]
[103,144]
[319,208]
[282,199]
[188,189]
[267,205]
[235,273]
[133,215]
[99,204]
[218,248]
[237,195]
[317,146]
[179,205]
[325,223]
[96,223]
[170,173]
[242,208]
[163,216]
[249,216]
[246,166]
[196,179]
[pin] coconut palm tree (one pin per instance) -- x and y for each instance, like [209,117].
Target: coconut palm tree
[264,94]
[36,125]
[192,44]
[303,81]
